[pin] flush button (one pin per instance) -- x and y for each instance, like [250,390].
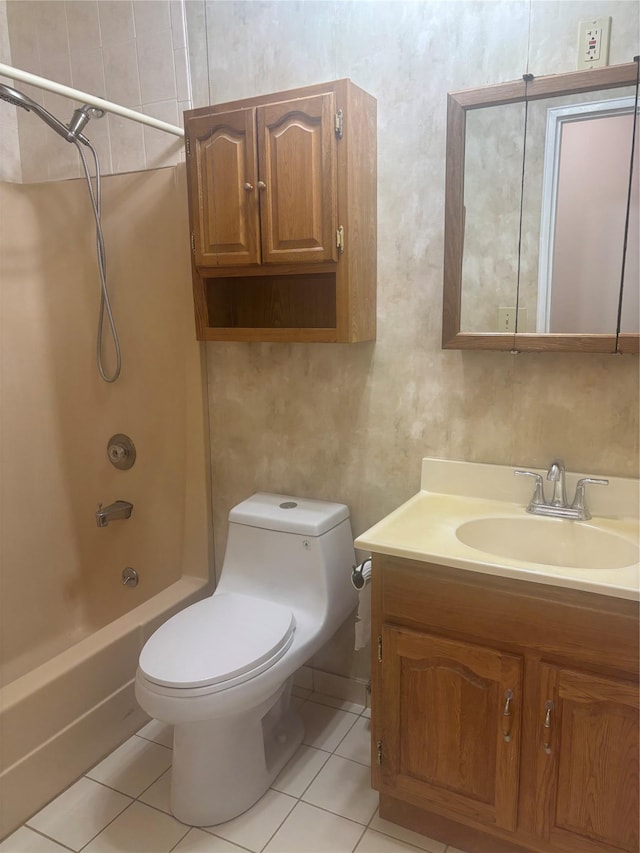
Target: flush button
[288,505]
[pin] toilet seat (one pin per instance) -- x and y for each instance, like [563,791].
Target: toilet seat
[218,642]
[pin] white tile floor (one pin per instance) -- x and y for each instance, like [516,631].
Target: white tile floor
[320,803]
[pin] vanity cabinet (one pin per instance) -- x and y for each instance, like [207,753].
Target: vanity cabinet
[282,198]
[504,713]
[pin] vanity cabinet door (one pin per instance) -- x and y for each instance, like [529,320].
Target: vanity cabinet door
[298,187]
[224,195]
[587,767]
[450,726]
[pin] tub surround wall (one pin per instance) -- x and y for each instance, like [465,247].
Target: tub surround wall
[61,574]
[351,423]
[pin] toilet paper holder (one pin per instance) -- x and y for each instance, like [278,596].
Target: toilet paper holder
[361,575]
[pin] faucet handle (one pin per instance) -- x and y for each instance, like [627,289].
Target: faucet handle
[538,494]
[579,499]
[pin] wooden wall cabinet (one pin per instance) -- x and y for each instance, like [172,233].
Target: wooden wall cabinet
[504,713]
[282,201]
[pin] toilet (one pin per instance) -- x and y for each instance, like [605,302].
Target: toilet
[221,670]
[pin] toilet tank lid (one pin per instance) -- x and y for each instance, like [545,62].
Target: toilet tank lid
[289,514]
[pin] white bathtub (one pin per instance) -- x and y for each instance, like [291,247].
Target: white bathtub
[62,717]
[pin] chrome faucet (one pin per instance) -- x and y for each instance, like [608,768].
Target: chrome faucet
[559,506]
[119,509]
[556,474]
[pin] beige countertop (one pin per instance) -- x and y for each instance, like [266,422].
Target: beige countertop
[425,528]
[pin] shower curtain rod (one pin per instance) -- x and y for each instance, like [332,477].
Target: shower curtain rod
[86,98]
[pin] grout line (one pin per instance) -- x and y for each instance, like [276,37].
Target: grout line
[107,824]
[43,835]
[357,844]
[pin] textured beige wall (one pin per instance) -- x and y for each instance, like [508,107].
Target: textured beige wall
[60,574]
[351,423]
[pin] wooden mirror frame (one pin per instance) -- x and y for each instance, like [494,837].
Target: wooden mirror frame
[458,103]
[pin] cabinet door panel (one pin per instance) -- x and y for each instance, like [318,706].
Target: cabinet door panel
[590,771]
[297,159]
[443,740]
[223,183]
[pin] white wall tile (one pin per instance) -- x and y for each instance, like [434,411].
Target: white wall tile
[51,29]
[24,46]
[83,25]
[116,21]
[156,67]
[63,160]
[142,60]
[180,61]
[151,16]
[162,149]
[87,71]
[122,83]
[35,140]
[178,33]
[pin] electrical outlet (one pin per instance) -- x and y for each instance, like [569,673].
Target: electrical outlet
[507,319]
[593,43]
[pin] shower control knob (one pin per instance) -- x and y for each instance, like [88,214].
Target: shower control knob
[121,451]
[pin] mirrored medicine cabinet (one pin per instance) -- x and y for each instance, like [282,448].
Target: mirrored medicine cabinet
[540,198]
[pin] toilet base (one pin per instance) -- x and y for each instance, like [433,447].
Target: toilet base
[222,766]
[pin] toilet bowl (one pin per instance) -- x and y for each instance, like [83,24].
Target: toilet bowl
[221,670]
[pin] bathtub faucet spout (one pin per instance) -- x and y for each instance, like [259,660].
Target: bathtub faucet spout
[119,509]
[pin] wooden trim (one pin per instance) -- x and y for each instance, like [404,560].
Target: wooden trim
[273,98]
[453,222]
[628,343]
[473,839]
[564,343]
[570,83]
[272,269]
[468,606]
[270,335]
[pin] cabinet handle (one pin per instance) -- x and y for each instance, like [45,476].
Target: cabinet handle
[248,186]
[506,716]
[546,727]
[262,185]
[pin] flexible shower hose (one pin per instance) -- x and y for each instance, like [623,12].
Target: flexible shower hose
[105,304]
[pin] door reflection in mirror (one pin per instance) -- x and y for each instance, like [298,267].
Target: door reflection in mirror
[585,187]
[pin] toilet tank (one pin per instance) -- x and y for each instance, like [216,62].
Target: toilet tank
[295,551]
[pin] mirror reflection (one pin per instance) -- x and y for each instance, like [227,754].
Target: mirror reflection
[577,160]
[535,214]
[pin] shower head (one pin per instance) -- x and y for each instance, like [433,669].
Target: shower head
[71,132]
[19,99]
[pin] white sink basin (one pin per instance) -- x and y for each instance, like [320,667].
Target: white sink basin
[549,542]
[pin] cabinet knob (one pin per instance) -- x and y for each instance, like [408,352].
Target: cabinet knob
[248,186]
[262,185]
